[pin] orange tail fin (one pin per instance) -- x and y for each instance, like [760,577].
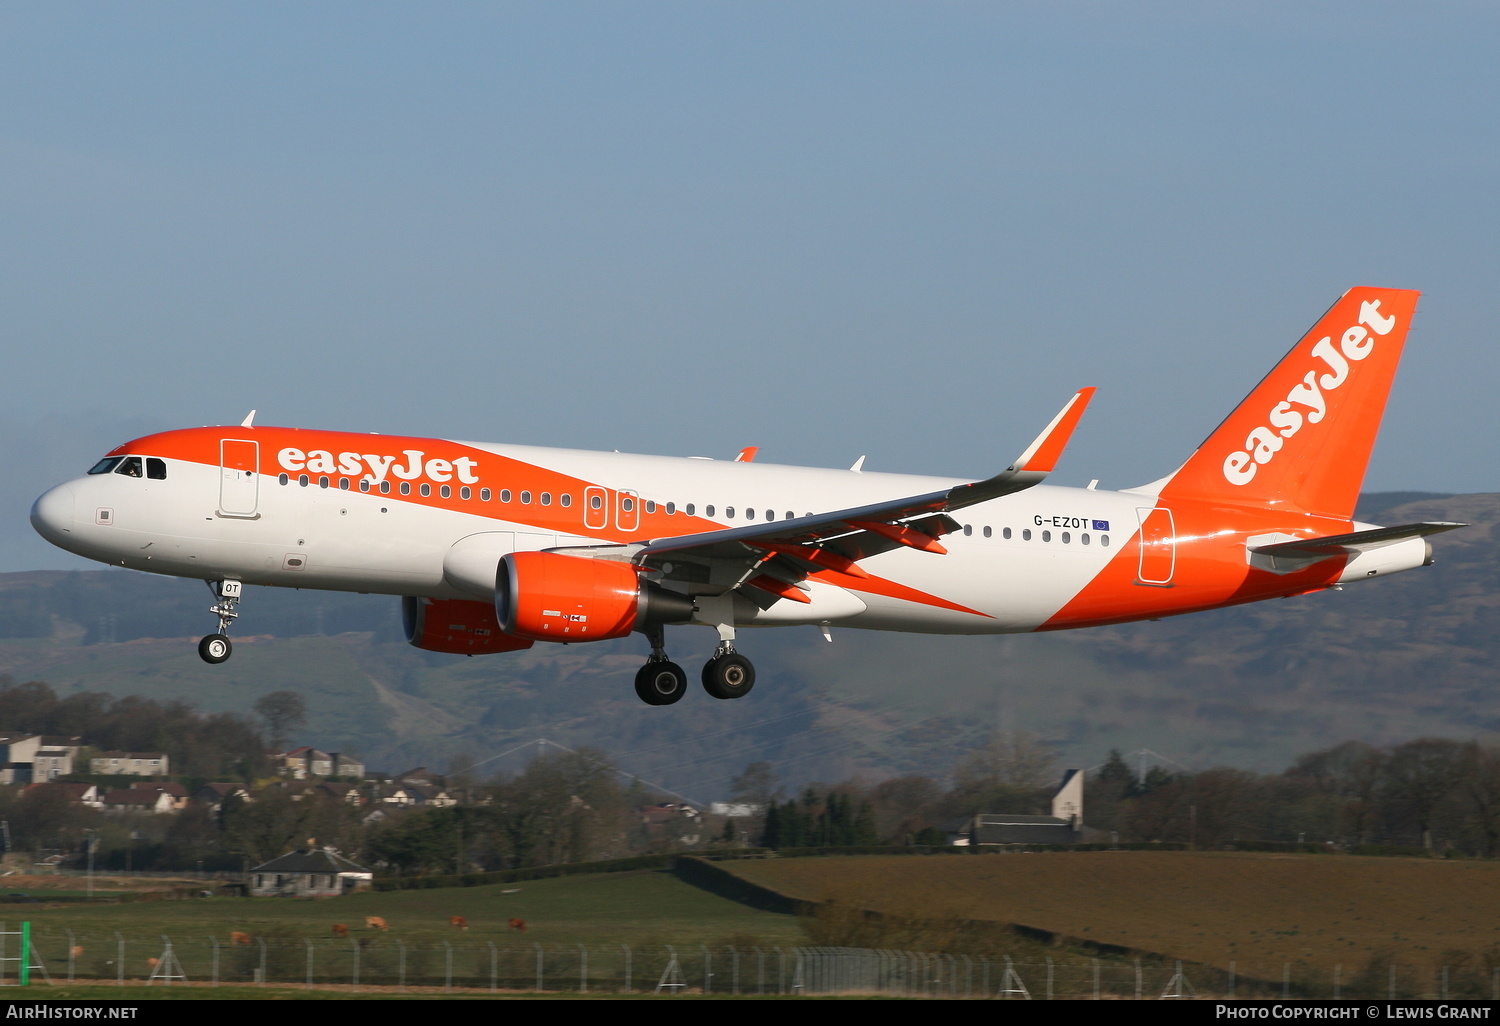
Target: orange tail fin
[1303,436]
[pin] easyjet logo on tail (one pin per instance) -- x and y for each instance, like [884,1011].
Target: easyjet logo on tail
[1307,401]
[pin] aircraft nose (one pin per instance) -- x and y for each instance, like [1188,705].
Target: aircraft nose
[52,515]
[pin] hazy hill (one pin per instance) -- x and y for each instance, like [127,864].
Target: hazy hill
[1382,661]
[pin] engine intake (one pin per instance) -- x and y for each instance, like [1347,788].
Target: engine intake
[547,596]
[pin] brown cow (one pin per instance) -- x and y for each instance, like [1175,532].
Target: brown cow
[76,951]
[340,930]
[518,925]
[236,937]
[375,923]
[458,922]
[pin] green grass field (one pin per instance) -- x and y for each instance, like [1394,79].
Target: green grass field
[617,908]
[602,928]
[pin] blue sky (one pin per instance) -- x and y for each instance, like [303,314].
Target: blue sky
[907,230]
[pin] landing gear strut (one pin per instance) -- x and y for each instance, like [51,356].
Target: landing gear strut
[660,681]
[728,674]
[215,648]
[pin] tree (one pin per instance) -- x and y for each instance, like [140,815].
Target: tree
[1013,771]
[1420,775]
[283,711]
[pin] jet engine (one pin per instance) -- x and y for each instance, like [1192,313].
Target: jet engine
[547,596]
[457,626]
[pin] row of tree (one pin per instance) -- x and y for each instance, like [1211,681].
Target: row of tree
[1431,792]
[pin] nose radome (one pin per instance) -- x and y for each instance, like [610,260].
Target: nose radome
[52,514]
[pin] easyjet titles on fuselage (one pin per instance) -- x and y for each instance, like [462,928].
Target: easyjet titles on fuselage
[351,464]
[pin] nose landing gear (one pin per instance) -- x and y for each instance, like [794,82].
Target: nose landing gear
[215,648]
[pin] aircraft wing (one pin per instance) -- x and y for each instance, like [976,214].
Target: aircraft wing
[775,557]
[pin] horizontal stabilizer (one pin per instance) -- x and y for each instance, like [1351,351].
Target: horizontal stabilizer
[1348,544]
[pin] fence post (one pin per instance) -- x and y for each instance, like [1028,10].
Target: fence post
[538,966]
[628,966]
[492,965]
[1138,979]
[308,941]
[1095,963]
[400,966]
[72,947]
[215,942]
[354,944]
[583,969]
[1338,974]
[119,960]
[25,976]
[447,968]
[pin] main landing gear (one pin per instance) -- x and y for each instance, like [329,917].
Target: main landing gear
[215,648]
[662,682]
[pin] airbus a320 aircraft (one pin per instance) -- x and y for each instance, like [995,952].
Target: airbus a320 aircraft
[496,547]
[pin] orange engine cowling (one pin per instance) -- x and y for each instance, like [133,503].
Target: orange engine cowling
[457,626]
[547,596]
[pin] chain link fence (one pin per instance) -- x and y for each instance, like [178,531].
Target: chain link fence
[384,962]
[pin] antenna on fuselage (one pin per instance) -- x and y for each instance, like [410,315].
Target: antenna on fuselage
[859,465]
[249,420]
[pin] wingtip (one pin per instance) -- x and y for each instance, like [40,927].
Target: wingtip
[1042,455]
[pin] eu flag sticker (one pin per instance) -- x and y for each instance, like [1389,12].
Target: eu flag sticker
[1101,525]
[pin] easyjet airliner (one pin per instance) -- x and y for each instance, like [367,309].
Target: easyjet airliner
[496,547]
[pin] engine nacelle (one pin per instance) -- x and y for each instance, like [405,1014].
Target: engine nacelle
[547,596]
[457,626]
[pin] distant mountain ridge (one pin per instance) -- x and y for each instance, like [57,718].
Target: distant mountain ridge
[1254,686]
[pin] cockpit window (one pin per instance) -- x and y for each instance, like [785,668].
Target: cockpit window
[156,469]
[130,466]
[107,464]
